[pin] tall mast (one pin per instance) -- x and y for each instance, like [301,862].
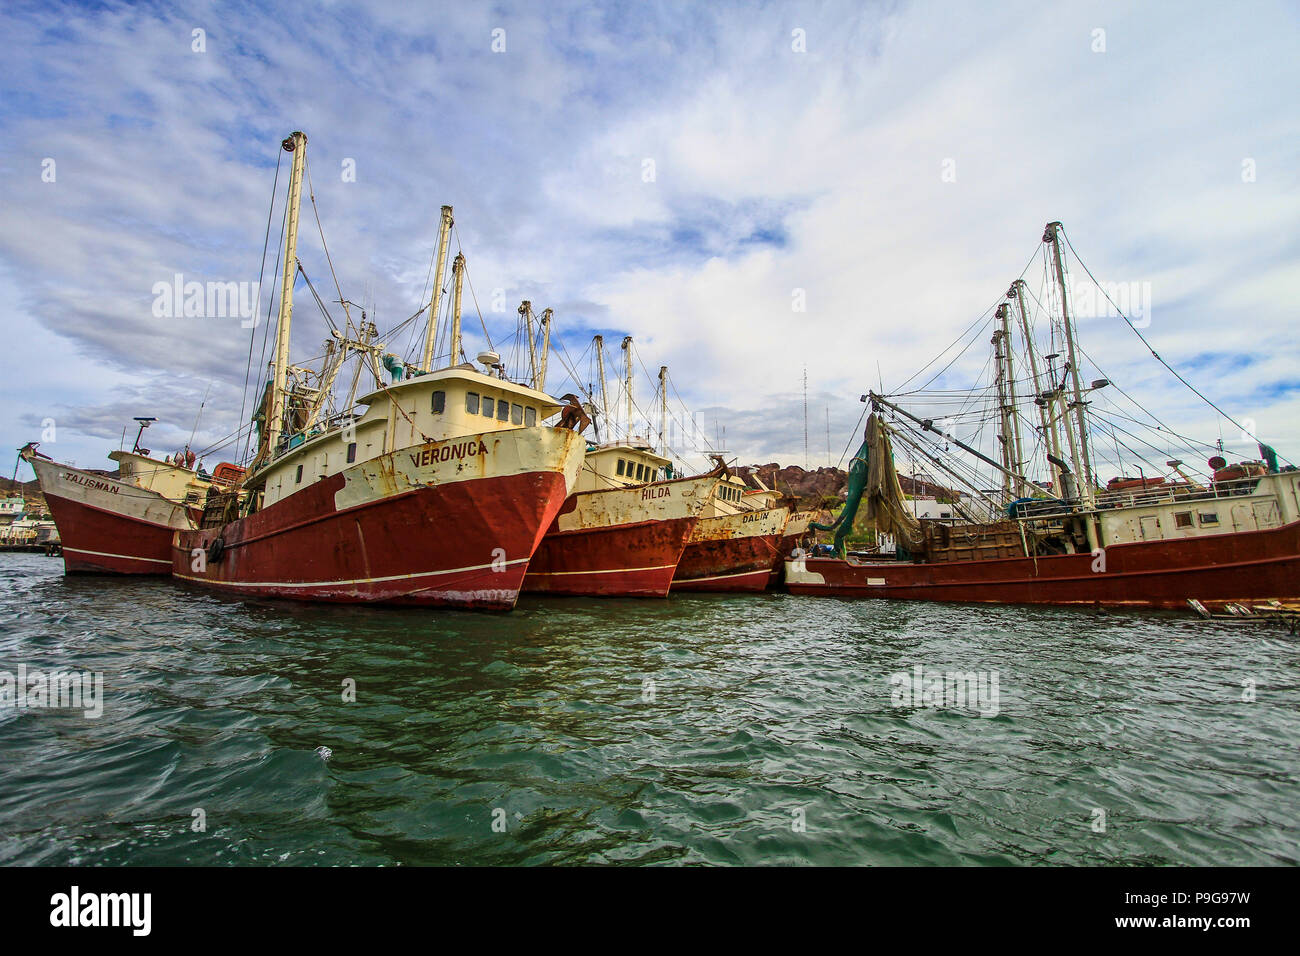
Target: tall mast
[1051,436]
[546,349]
[1058,396]
[627,384]
[1053,235]
[1018,460]
[526,314]
[458,276]
[297,145]
[663,408]
[1003,412]
[599,342]
[435,304]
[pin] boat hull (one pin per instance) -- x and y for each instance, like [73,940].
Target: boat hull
[413,527]
[619,542]
[630,560]
[107,526]
[1213,569]
[732,552]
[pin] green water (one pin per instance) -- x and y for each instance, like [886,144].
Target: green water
[708,729]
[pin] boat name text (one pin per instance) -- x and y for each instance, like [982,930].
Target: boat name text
[89,482]
[447,452]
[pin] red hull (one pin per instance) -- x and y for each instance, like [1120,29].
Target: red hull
[96,541]
[631,560]
[462,544]
[1214,569]
[730,564]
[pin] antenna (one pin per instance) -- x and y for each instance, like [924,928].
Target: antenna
[805,418]
[194,430]
[144,423]
[828,436]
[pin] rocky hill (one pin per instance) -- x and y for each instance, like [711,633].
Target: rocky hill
[823,487]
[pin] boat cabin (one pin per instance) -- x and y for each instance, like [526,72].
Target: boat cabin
[619,464]
[174,482]
[447,403]
[732,496]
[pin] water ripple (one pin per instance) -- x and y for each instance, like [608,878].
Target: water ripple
[699,730]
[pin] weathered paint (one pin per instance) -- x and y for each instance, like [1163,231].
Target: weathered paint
[795,529]
[109,526]
[619,542]
[412,527]
[732,552]
[1213,569]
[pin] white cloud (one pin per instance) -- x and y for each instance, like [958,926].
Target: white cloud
[773,171]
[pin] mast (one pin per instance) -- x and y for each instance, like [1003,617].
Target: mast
[546,348]
[627,385]
[1005,423]
[296,144]
[435,304]
[526,315]
[458,276]
[1018,460]
[1051,437]
[1053,235]
[599,342]
[1058,396]
[663,408]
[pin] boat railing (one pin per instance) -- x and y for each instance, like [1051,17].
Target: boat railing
[1057,509]
[1170,494]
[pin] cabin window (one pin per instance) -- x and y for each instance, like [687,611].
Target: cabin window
[352,453]
[298,478]
[1182,519]
[440,402]
[471,402]
[640,472]
[530,417]
[489,408]
[503,410]
[1209,517]
[516,414]
[621,466]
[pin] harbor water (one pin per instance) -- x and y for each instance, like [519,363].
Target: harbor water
[707,729]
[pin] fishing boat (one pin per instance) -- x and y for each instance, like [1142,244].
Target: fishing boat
[1233,538]
[623,530]
[433,489]
[123,522]
[736,544]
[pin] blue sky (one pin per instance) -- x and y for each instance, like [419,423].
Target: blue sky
[775,169]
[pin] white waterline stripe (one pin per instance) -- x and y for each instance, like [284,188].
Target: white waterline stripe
[662,567]
[318,584]
[124,557]
[720,577]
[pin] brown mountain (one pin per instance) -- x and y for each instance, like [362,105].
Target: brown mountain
[823,487]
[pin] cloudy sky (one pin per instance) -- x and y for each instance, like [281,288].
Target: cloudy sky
[748,190]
